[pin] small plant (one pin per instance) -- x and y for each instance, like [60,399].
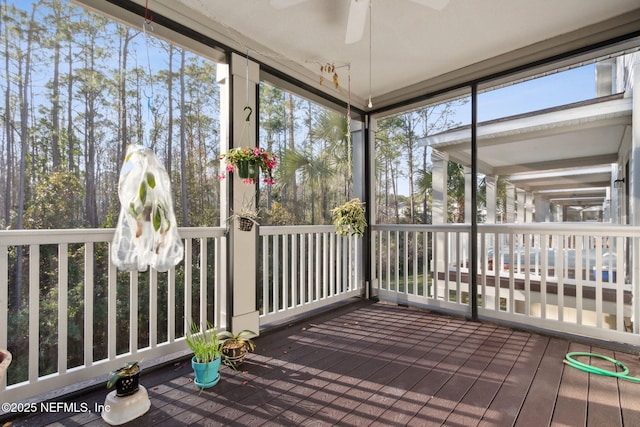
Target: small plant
[236,346]
[129,369]
[247,215]
[204,343]
[242,338]
[349,218]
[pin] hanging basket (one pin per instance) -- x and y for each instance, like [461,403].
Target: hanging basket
[245,224]
[247,169]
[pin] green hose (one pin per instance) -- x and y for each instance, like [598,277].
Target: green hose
[569,360]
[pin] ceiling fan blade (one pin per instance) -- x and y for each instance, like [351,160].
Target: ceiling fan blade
[433,4]
[283,4]
[358,10]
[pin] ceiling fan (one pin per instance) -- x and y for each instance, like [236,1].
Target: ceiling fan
[358,10]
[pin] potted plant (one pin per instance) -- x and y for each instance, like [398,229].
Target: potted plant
[126,379]
[349,218]
[236,346]
[247,215]
[248,162]
[207,352]
[246,218]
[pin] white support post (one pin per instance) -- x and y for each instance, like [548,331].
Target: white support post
[521,199]
[528,212]
[491,197]
[511,204]
[543,210]
[244,250]
[468,209]
[439,204]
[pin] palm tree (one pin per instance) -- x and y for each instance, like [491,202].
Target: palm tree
[313,170]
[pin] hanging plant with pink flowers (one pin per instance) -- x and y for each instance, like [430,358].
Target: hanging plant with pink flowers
[248,162]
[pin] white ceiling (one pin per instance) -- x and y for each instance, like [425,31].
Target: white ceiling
[410,43]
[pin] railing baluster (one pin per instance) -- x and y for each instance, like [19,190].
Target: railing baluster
[579,278]
[188,272]
[619,283]
[304,294]
[405,263]
[89,258]
[511,303]
[560,275]
[34,312]
[275,269]
[598,272]
[153,309]
[310,247]
[325,267]
[527,274]
[63,306]
[171,305]
[415,262]
[287,265]
[265,275]
[203,282]
[331,270]
[425,264]
[112,303]
[133,313]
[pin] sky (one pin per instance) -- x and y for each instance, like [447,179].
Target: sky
[577,84]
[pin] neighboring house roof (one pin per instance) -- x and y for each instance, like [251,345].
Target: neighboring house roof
[568,148]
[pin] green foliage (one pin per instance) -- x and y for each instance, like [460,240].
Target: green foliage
[49,210]
[129,368]
[204,342]
[350,218]
[243,337]
[279,215]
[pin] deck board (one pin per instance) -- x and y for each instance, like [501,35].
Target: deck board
[376,364]
[538,407]
[571,403]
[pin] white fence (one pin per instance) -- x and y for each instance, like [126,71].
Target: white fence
[573,278]
[83,318]
[305,268]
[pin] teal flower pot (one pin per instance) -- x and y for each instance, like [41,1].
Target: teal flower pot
[207,374]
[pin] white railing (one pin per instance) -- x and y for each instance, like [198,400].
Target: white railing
[305,268]
[81,318]
[405,263]
[574,278]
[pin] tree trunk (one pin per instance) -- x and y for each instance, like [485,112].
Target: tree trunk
[55,102]
[183,160]
[70,142]
[292,146]
[169,160]
[8,126]
[24,146]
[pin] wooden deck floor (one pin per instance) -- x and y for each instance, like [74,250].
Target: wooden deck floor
[384,365]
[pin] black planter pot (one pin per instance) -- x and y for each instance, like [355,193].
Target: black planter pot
[245,224]
[127,385]
[234,354]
